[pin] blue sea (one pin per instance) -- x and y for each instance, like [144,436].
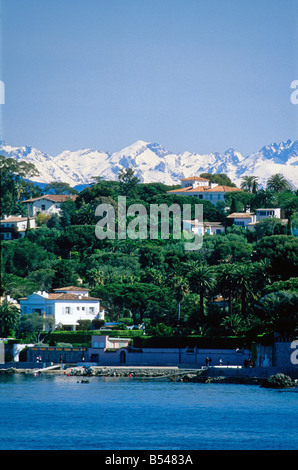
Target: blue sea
[57,412]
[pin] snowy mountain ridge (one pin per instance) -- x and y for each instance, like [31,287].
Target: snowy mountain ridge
[154,163]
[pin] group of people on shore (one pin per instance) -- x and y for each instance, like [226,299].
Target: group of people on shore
[247,362]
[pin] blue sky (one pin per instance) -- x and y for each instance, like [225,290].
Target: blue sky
[195,75]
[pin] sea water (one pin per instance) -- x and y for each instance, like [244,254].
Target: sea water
[58,412]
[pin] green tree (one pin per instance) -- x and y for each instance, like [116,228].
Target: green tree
[279,311]
[85,215]
[219,178]
[201,280]
[244,285]
[12,174]
[277,183]
[180,288]
[32,325]
[58,187]
[9,318]
[234,324]
[25,257]
[128,182]
[68,211]
[79,238]
[265,198]
[249,183]
[270,226]
[65,275]
[282,252]
[226,278]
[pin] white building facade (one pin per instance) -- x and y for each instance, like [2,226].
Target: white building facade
[48,204]
[15,226]
[203,189]
[249,219]
[66,306]
[203,228]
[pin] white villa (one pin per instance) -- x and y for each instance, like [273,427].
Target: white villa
[203,189]
[48,204]
[15,226]
[250,219]
[66,305]
[201,228]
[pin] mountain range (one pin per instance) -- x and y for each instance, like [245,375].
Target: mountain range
[154,163]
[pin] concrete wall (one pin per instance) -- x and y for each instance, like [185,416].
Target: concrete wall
[53,354]
[285,352]
[168,356]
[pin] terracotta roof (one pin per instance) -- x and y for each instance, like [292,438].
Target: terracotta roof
[205,189]
[240,215]
[54,197]
[205,224]
[213,224]
[225,189]
[71,297]
[194,178]
[180,190]
[71,288]
[66,297]
[15,218]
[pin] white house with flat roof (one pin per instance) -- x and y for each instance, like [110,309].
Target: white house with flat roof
[268,213]
[201,228]
[65,305]
[243,219]
[15,226]
[250,219]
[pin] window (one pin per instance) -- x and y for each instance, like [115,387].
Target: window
[98,344]
[91,310]
[67,310]
[78,308]
[43,207]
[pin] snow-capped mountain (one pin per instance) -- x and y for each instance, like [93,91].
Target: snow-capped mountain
[154,163]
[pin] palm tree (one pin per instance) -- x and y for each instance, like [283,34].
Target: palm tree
[265,198]
[9,317]
[278,183]
[180,289]
[201,280]
[226,283]
[244,279]
[233,323]
[249,183]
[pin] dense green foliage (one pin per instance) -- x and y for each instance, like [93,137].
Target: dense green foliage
[240,283]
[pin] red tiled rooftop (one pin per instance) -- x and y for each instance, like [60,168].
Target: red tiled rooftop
[54,197]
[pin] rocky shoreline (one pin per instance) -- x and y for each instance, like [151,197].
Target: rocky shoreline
[198,376]
[174,374]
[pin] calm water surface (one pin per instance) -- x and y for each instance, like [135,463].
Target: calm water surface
[60,412]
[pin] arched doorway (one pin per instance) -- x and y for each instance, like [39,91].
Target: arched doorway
[122,357]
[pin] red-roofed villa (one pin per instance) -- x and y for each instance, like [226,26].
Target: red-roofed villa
[203,189]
